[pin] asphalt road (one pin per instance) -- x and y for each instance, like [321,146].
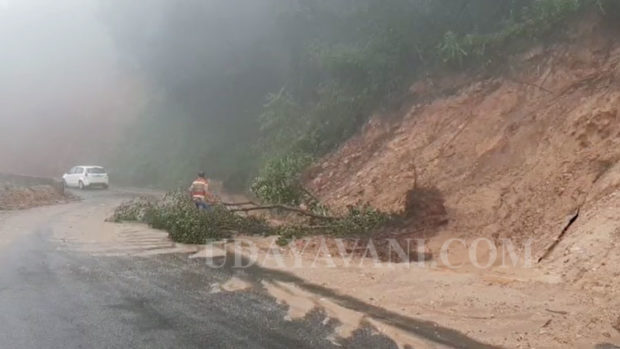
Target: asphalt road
[56,297]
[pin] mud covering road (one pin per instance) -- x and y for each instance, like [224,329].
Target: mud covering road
[57,291]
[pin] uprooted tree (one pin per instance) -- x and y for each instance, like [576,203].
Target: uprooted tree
[176,214]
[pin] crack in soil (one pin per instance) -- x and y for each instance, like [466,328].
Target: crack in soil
[560,236]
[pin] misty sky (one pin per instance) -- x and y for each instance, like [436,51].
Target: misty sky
[51,46]
[59,83]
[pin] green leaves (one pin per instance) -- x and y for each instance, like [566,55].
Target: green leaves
[178,215]
[359,222]
[279,180]
[533,21]
[450,49]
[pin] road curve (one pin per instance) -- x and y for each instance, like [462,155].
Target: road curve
[54,294]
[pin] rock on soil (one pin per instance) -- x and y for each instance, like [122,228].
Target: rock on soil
[13,198]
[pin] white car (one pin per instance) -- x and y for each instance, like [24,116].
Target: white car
[86,176]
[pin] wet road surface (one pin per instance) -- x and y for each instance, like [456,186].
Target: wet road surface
[55,297]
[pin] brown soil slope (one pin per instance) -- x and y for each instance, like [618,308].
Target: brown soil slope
[513,156]
[13,197]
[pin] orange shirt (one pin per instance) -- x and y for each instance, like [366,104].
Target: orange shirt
[199,188]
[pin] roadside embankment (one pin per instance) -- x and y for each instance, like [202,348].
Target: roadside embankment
[22,191]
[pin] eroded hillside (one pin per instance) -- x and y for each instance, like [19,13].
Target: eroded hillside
[513,156]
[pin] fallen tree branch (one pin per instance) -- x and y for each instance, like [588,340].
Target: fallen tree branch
[307,192]
[315,227]
[238,203]
[284,208]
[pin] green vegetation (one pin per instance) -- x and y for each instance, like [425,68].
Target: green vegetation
[279,180]
[359,222]
[536,20]
[177,215]
[258,88]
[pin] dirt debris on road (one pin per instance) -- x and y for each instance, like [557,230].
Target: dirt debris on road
[511,307]
[17,197]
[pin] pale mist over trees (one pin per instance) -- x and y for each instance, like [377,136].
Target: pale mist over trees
[62,98]
[243,85]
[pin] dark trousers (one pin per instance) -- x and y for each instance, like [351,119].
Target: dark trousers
[201,205]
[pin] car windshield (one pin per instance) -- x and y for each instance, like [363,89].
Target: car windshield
[96,170]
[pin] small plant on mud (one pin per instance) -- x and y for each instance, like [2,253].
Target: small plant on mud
[451,49]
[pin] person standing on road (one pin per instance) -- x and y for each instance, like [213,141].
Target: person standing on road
[199,190]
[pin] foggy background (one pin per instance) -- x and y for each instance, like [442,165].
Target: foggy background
[124,84]
[158,90]
[63,96]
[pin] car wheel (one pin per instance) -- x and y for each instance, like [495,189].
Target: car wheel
[105,187]
[81,185]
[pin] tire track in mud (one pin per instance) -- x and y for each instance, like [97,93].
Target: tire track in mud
[303,297]
[83,228]
[124,239]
